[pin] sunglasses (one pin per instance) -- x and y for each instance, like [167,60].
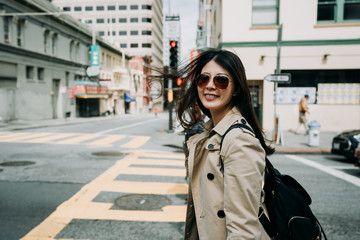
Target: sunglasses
[220,81]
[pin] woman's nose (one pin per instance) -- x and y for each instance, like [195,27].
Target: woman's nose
[211,84]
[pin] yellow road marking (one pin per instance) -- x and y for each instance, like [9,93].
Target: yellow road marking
[51,138]
[107,140]
[81,205]
[25,137]
[77,139]
[10,135]
[136,142]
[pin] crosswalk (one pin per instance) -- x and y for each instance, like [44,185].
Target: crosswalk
[145,168]
[101,140]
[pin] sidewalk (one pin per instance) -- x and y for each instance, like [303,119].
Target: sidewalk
[292,144]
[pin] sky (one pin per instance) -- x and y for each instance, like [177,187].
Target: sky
[188,11]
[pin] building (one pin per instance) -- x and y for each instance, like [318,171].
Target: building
[44,57]
[135,26]
[319,47]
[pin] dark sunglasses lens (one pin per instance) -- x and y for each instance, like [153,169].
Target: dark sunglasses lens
[221,82]
[203,81]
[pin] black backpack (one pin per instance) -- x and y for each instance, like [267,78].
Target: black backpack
[287,203]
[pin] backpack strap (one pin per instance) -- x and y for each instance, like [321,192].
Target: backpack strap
[267,225]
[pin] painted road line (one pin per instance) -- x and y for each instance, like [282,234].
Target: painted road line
[331,171]
[105,141]
[25,137]
[81,205]
[51,138]
[78,139]
[10,135]
[127,126]
[136,142]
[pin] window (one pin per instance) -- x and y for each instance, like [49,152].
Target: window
[122,33]
[99,8]
[146,20]
[20,32]
[123,45]
[113,33]
[40,73]
[46,41]
[101,33]
[134,20]
[100,20]
[146,32]
[111,8]
[134,45]
[54,43]
[88,8]
[146,7]
[134,32]
[88,21]
[122,7]
[265,12]
[66,9]
[134,7]
[7,27]
[29,72]
[77,9]
[122,20]
[146,45]
[113,20]
[331,11]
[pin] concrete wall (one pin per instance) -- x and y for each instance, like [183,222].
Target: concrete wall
[333,118]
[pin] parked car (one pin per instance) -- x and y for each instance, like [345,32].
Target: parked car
[345,143]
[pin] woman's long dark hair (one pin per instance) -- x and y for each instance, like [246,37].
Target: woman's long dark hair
[241,99]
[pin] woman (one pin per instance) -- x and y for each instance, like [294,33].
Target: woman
[223,206]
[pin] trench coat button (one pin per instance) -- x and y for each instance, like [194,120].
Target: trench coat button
[211,146]
[243,121]
[210,176]
[221,214]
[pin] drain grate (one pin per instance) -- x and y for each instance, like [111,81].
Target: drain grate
[108,154]
[142,202]
[16,163]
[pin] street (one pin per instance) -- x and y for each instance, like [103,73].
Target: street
[124,178]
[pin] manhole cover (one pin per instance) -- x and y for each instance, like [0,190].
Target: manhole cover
[108,154]
[142,202]
[16,163]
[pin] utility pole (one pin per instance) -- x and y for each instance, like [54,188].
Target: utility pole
[277,125]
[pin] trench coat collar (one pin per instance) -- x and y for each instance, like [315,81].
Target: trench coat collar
[233,116]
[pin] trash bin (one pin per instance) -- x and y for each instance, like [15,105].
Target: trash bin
[314,133]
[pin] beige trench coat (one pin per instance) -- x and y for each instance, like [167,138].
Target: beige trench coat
[225,207]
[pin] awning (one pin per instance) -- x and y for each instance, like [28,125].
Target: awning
[128,98]
[87,96]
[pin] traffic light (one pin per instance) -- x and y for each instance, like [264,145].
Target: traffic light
[173,54]
[180,81]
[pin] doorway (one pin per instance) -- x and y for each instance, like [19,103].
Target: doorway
[55,97]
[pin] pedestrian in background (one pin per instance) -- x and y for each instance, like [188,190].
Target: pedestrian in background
[303,110]
[222,204]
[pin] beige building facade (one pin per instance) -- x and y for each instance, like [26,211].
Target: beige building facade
[319,47]
[134,26]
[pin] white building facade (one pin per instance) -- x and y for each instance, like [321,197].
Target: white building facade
[320,48]
[134,25]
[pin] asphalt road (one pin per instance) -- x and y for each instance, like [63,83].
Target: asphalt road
[124,179]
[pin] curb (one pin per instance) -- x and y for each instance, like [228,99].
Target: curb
[302,151]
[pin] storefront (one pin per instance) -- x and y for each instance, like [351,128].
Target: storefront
[91,98]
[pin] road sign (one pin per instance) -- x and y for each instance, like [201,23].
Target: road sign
[93,71]
[280,78]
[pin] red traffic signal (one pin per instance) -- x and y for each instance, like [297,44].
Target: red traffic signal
[180,81]
[173,44]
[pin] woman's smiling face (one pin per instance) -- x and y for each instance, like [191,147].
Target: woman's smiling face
[215,99]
